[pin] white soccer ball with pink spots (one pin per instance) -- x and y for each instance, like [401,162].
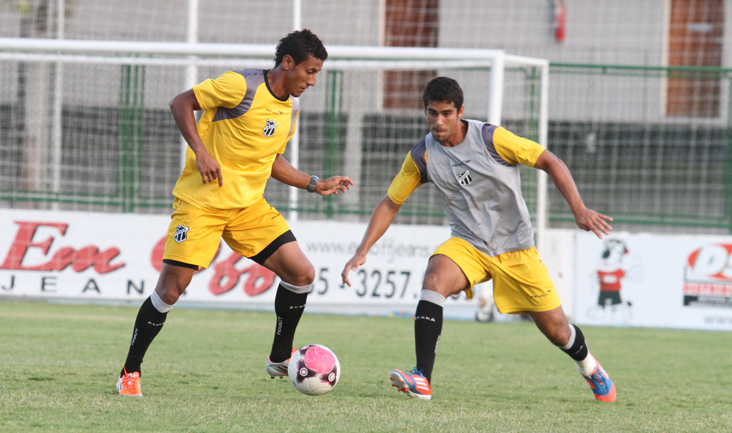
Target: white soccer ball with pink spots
[314,369]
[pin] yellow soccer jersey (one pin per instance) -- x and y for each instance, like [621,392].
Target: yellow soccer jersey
[511,148]
[514,149]
[407,180]
[244,127]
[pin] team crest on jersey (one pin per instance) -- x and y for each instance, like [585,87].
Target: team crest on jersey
[181,234]
[269,128]
[464,178]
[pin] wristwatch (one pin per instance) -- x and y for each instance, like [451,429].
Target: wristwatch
[313,183]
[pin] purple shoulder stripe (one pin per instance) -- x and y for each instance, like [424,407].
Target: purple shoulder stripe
[295,110]
[253,77]
[419,156]
[487,132]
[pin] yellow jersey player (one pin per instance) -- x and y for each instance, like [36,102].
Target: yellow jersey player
[475,167]
[248,118]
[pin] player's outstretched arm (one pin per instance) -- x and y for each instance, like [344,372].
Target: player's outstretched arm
[333,185]
[586,219]
[284,172]
[182,107]
[381,219]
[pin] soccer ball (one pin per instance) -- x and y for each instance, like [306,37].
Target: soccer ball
[314,369]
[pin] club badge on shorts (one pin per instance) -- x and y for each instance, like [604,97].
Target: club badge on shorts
[269,128]
[181,234]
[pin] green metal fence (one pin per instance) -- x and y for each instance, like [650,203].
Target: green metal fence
[630,159]
[649,169]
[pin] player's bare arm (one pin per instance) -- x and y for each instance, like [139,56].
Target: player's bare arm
[586,219]
[284,172]
[381,219]
[182,107]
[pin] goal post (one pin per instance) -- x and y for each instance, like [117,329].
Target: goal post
[119,150]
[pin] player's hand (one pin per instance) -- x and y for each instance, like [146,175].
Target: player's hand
[589,220]
[209,168]
[352,265]
[334,185]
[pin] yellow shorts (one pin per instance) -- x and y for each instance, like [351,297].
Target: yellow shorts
[521,282]
[194,234]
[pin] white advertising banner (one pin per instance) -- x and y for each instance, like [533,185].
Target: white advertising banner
[646,280]
[117,257]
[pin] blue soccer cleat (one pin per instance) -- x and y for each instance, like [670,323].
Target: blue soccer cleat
[412,383]
[601,385]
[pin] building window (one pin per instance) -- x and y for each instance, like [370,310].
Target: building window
[408,23]
[695,38]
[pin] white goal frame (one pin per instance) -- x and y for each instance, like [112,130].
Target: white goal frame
[192,55]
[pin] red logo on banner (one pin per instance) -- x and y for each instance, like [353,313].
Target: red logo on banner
[712,262]
[79,260]
[226,276]
[708,278]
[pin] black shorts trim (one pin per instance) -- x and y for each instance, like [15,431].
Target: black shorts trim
[180,264]
[270,249]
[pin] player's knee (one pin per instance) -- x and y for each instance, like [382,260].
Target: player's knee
[303,278]
[171,284]
[310,275]
[433,283]
[430,282]
[168,295]
[171,290]
[558,336]
[160,304]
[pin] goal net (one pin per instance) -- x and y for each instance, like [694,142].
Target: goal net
[85,125]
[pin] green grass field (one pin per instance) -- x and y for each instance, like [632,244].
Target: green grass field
[205,373]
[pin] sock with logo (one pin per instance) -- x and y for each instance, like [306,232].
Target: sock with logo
[577,349]
[289,305]
[427,330]
[149,322]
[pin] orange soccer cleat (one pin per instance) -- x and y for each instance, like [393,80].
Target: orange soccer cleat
[129,384]
[278,369]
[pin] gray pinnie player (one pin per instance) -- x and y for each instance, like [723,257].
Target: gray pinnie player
[475,167]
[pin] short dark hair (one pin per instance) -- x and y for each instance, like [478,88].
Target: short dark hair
[443,89]
[299,45]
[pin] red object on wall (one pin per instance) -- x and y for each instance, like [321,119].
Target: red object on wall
[560,21]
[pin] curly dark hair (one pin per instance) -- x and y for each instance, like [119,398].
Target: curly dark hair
[443,89]
[299,45]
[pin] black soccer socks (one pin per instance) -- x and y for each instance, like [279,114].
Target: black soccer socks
[427,330]
[148,324]
[289,307]
[576,349]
